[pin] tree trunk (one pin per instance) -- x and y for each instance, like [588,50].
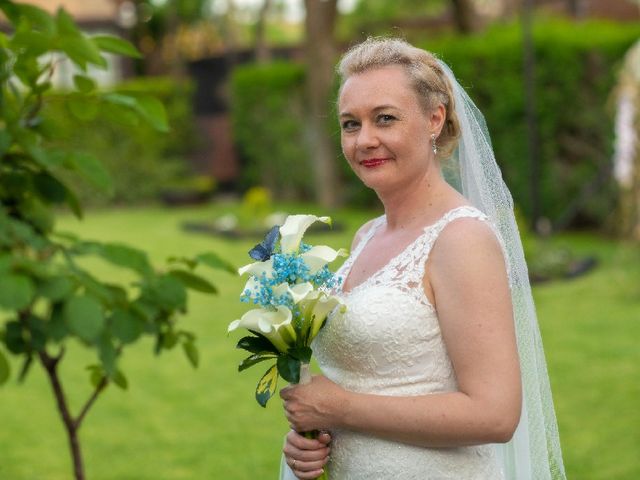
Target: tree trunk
[464,16]
[262,52]
[320,24]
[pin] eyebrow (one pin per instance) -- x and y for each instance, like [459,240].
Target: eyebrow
[376,109]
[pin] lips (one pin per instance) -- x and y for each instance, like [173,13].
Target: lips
[373,162]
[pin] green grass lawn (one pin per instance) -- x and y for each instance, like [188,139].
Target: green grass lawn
[178,423]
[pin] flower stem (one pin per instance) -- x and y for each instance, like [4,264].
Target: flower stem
[305,378]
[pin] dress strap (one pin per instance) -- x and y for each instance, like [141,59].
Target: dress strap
[432,232]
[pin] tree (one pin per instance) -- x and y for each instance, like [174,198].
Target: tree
[48,297]
[320,25]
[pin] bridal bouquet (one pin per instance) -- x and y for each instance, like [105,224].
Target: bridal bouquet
[290,282]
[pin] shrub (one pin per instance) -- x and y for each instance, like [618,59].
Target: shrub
[141,160]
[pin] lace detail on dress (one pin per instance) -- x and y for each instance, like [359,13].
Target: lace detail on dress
[388,342]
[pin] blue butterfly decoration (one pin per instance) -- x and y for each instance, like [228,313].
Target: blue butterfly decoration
[264,249]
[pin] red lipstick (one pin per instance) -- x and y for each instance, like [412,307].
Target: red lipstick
[373,162]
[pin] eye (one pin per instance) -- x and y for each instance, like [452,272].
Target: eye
[385,119]
[349,125]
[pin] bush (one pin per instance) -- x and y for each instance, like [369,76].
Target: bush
[268,122]
[140,159]
[575,72]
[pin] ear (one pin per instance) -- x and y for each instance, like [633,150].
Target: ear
[436,119]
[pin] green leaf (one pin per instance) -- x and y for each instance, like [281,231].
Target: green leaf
[5,141]
[154,112]
[108,355]
[84,84]
[125,327]
[257,344]
[149,108]
[289,368]
[169,292]
[78,48]
[16,291]
[267,385]
[5,369]
[109,43]
[119,379]
[56,327]
[56,288]
[194,282]
[83,107]
[74,204]
[49,188]
[40,19]
[125,256]
[35,43]
[191,351]
[301,353]
[14,337]
[37,332]
[92,169]
[213,260]
[84,317]
[251,360]
[96,374]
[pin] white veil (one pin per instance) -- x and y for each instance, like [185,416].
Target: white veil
[534,451]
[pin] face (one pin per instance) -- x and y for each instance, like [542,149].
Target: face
[386,134]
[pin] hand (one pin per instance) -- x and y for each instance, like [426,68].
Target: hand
[315,406]
[306,456]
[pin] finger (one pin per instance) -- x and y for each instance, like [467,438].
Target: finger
[298,455]
[303,443]
[324,437]
[308,475]
[308,466]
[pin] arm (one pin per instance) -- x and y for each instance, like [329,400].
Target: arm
[472,296]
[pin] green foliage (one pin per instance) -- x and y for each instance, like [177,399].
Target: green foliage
[48,298]
[268,124]
[127,133]
[575,69]
[575,73]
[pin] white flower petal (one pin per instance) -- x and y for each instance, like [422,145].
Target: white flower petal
[257,268]
[297,292]
[275,325]
[293,229]
[318,256]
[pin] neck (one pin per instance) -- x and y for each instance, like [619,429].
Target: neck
[410,206]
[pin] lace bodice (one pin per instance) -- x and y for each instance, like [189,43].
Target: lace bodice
[388,342]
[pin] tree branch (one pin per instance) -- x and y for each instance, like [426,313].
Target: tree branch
[101,385]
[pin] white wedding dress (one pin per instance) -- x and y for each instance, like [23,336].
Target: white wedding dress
[388,342]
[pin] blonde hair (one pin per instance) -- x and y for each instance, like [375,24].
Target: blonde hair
[427,79]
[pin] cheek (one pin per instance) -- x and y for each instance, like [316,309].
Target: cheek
[347,145]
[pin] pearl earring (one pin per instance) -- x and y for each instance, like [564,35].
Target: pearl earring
[434,146]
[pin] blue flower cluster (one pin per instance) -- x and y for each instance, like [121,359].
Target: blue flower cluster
[288,268]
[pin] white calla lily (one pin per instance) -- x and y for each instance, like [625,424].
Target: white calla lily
[297,292]
[317,257]
[275,325]
[257,268]
[293,229]
[316,306]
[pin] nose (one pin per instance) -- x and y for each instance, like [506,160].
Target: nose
[367,137]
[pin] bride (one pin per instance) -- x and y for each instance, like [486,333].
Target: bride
[436,369]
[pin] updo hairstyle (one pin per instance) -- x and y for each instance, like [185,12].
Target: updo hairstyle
[427,78]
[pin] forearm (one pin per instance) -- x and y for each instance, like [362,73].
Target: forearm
[435,420]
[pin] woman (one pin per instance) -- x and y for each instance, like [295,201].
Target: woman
[423,373]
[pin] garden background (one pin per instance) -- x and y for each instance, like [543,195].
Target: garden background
[193,190]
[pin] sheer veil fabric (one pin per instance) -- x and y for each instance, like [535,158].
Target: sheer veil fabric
[534,451]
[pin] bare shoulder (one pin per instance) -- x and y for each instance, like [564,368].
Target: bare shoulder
[467,243]
[361,232]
